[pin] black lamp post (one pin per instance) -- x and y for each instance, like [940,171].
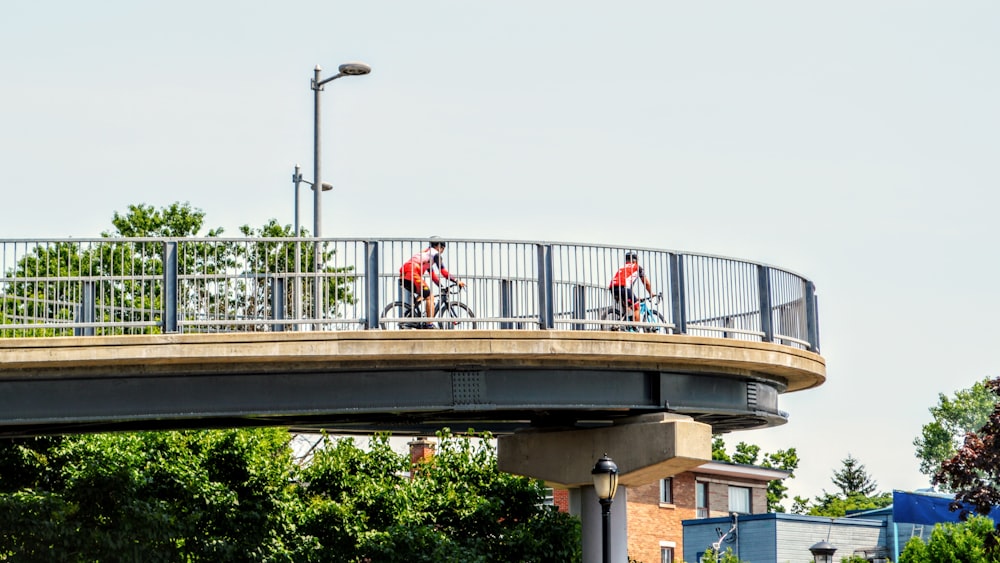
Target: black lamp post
[823,552]
[605,475]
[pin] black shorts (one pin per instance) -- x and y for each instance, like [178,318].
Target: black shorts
[424,291]
[623,295]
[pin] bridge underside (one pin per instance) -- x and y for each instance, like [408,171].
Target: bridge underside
[407,383]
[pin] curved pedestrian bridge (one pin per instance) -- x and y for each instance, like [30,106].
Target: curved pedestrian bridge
[409,382]
[101,334]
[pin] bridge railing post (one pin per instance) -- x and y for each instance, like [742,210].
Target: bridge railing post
[812,317]
[579,306]
[170,293]
[546,308]
[506,303]
[371,285]
[678,298]
[87,310]
[764,291]
[278,303]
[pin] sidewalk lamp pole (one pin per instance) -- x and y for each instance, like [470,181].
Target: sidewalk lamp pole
[296,180]
[346,69]
[605,474]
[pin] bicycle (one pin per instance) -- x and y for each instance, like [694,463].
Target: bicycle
[647,314]
[456,315]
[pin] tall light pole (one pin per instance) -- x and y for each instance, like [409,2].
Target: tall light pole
[346,69]
[605,474]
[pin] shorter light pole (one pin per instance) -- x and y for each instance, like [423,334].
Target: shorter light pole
[605,474]
[296,180]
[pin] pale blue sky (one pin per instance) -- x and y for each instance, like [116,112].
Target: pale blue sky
[853,142]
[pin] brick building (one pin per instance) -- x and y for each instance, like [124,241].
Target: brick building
[656,510]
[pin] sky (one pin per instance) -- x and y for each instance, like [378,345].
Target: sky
[853,142]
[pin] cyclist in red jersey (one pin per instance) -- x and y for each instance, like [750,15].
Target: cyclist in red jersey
[411,275]
[622,282]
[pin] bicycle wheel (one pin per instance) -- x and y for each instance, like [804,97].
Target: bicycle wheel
[457,316]
[612,314]
[397,315]
[654,317]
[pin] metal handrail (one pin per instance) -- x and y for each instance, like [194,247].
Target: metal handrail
[104,286]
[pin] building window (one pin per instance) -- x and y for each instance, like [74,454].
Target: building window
[701,499]
[739,499]
[667,490]
[548,498]
[666,555]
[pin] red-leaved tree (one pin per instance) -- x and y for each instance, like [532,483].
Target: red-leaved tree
[974,472]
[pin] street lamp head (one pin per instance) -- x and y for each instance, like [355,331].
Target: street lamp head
[823,552]
[354,69]
[605,474]
[326,187]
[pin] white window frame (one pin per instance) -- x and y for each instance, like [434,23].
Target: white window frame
[672,546]
[737,496]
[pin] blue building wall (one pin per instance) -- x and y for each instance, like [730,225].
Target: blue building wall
[781,538]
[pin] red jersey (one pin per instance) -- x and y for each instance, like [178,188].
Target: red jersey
[627,276]
[429,259]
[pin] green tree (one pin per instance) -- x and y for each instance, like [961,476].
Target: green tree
[853,478]
[857,492]
[954,417]
[974,471]
[220,278]
[963,542]
[749,454]
[148,496]
[456,507]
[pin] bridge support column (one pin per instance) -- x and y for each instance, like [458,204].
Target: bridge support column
[645,448]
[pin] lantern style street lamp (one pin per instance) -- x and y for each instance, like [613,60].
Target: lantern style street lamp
[823,552]
[605,474]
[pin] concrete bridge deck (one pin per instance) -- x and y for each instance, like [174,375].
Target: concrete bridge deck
[407,382]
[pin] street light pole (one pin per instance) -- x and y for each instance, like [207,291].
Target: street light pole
[346,69]
[297,179]
[605,474]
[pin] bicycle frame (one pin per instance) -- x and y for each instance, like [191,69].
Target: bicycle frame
[441,303]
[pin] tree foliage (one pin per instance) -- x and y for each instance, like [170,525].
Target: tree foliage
[853,478]
[227,279]
[457,507]
[857,492]
[151,496]
[749,454]
[238,495]
[973,473]
[964,542]
[954,417]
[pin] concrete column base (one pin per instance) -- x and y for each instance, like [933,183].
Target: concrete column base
[645,448]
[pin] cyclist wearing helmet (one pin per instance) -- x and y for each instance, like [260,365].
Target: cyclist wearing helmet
[411,274]
[622,282]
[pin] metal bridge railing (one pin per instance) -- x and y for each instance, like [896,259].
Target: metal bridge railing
[105,286]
